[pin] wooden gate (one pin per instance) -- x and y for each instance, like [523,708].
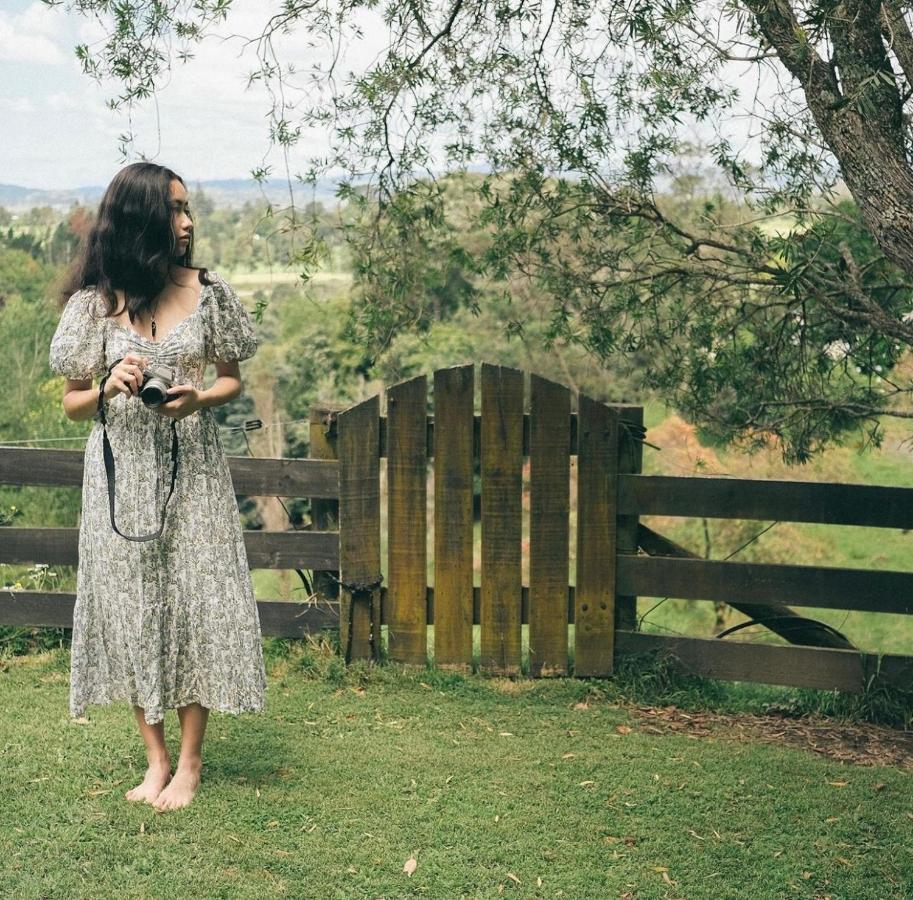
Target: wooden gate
[602,439]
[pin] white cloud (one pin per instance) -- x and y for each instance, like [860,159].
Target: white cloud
[34,35]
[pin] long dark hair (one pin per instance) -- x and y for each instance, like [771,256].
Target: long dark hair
[131,242]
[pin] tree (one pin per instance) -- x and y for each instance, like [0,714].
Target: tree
[580,116]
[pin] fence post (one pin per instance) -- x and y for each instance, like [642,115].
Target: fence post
[358,446]
[630,461]
[501,464]
[597,504]
[324,511]
[406,608]
[549,525]
[452,448]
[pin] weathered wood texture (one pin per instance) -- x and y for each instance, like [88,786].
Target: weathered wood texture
[730,660]
[785,501]
[359,527]
[265,549]
[453,524]
[252,477]
[828,588]
[597,473]
[407,479]
[502,474]
[549,526]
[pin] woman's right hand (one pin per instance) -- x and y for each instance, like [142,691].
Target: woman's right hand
[126,377]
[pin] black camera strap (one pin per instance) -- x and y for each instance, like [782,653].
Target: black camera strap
[109,464]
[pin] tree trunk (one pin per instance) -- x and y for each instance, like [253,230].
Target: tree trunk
[861,117]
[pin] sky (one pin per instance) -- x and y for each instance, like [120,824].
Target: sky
[57,132]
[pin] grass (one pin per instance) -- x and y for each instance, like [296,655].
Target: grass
[491,785]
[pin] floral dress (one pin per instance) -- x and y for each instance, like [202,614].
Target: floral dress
[172,620]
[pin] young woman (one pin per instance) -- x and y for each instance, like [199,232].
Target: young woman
[165,621]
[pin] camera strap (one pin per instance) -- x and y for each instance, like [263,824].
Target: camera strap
[109,464]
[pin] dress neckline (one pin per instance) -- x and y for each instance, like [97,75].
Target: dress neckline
[158,343]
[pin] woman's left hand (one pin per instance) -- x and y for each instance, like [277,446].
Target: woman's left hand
[184,400]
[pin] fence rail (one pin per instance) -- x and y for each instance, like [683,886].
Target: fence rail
[343,545]
[785,501]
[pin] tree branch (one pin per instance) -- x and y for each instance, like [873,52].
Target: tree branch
[898,37]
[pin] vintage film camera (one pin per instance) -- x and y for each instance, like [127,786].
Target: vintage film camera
[156,381]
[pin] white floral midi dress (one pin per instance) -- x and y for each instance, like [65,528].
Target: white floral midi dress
[172,620]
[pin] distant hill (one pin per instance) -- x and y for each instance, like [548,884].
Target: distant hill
[226,192]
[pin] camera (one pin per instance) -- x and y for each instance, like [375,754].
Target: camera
[156,381]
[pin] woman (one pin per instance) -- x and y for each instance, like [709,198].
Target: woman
[169,621]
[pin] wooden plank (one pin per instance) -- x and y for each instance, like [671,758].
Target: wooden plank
[502,483]
[549,526]
[284,477]
[731,660]
[265,549]
[407,479]
[282,619]
[36,465]
[630,459]
[54,609]
[786,501]
[597,476]
[828,588]
[251,477]
[453,523]
[359,526]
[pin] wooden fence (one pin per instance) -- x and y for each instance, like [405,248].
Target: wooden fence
[315,549]
[344,543]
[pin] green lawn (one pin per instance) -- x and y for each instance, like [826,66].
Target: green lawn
[493,786]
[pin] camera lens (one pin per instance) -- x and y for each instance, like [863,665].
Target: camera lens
[153,393]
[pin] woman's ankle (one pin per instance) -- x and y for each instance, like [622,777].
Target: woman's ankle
[190,763]
[158,760]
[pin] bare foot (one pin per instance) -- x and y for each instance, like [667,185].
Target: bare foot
[181,789]
[157,776]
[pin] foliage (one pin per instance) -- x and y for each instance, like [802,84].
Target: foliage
[583,115]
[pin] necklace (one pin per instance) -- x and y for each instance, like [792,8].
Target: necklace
[153,324]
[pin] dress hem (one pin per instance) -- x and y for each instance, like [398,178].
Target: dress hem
[251,706]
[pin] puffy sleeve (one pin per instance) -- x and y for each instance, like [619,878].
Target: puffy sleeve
[230,333]
[78,346]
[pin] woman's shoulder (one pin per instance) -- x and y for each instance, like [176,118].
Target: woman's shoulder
[88,298]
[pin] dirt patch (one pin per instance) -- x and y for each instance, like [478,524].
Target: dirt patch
[865,745]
